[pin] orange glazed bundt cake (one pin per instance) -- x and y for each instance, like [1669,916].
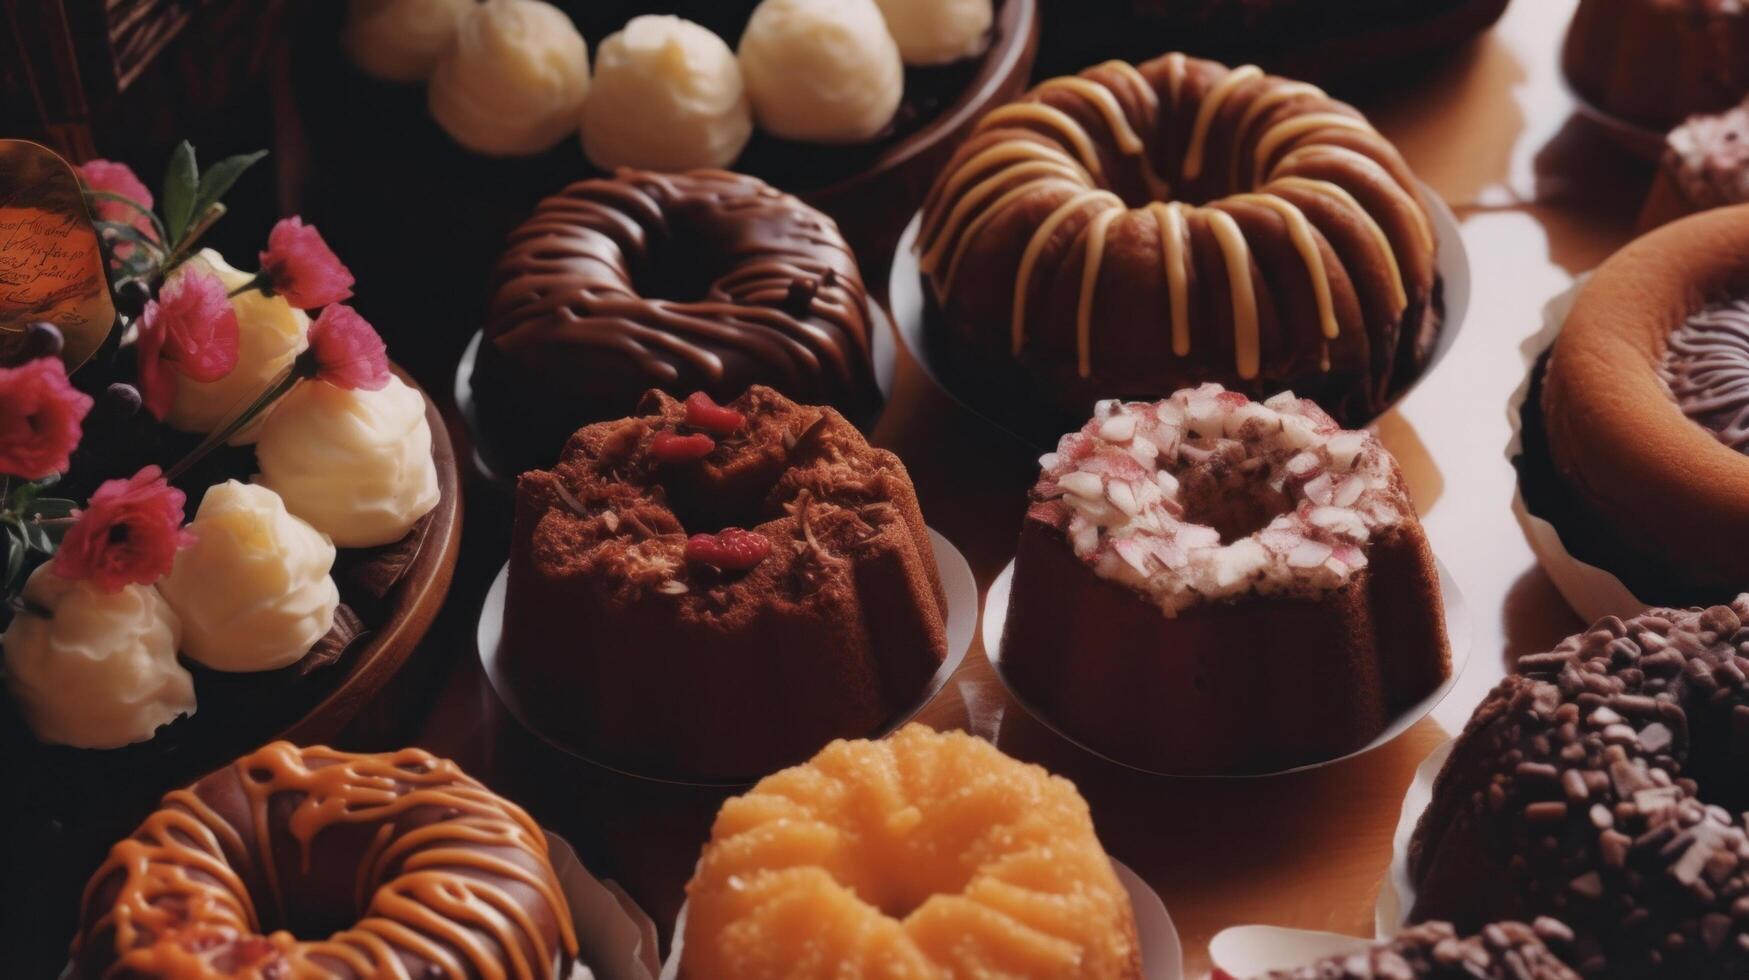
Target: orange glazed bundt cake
[715,591]
[406,865]
[1209,584]
[923,855]
[1137,229]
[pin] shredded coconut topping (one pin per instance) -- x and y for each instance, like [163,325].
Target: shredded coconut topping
[1152,487]
[1712,157]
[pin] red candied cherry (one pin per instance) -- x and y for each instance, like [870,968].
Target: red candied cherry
[732,549]
[702,412]
[669,447]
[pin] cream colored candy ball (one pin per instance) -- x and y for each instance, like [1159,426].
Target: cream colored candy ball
[826,71]
[401,40]
[935,32]
[514,81]
[667,95]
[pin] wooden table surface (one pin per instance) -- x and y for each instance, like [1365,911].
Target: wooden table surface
[1541,197]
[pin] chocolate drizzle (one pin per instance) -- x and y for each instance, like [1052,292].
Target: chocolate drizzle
[1707,368]
[451,880]
[703,281]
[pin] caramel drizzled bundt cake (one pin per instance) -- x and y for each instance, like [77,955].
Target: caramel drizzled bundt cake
[1604,784]
[1435,951]
[1137,229]
[717,592]
[706,280]
[407,865]
[921,855]
[1209,584]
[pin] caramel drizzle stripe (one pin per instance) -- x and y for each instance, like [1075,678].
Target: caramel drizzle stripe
[1237,253]
[1387,253]
[1374,169]
[990,164]
[971,233]
[1175,69]
[1305,241]
[1174,231]
[434,911]
[1268,100]
[950,225]
[1036,245]
[1159,187]
[1100,97]
[1298,127]
[1205,116]
[393,933]
[1052,119]
[1091,262]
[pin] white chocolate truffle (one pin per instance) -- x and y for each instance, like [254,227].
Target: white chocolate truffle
[270,335]
[100,671]
[667,96]
[356,464]
[401,40]
[935,32]
[514,81]
[253,592]
[821,70]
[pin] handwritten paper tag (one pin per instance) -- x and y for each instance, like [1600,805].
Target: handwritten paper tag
[51,266]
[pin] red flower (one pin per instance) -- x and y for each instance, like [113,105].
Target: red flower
[347,351]
[117,178]
[300,266]
[40,412]
[128,533]
[190,329]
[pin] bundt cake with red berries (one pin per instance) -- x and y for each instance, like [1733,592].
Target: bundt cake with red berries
[717,591]
[1212,585]
[1133,230]
[1602,783]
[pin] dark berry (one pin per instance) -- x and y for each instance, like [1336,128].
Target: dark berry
[125,398]
[131,297]
[42,339]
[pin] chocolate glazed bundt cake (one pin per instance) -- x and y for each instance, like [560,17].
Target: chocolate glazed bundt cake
[406,865]
[1133,230]
[705,281]
[1435,951]
[1604,783]
[804,606]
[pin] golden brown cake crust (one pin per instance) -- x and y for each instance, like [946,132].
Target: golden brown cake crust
[1671,489]
[619,642]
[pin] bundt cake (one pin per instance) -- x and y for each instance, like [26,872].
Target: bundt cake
[804,606]
[705,281]
[1705,165]
[407,865]
[1646,405]
[922,855]
[1656,62]
[1214,585]
[1435,951]
[1134,230]
[1603,783]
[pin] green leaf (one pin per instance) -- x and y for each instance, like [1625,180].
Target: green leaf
[181,182]
[138,208]
[14,559]
[220,176]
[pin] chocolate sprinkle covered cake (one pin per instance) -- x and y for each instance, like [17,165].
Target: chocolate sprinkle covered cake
[1435,951]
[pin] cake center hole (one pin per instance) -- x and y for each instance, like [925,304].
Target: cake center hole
[1236,509]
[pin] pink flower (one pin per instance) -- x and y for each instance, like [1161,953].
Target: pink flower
[128,533]
[117,178]
[191,330]
[40,416]
[300,266]
[347,351]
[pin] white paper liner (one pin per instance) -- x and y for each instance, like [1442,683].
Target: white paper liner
[1244,952]
[1593,592]
[883,358]
[1397,893]
[616,940]
[962,618]
[1162,955]
[987,718]
[906,302]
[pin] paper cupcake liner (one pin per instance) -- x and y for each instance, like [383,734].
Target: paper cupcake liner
[1162,955]
[1593,592]
[1040,428]
[962,617]
[1458,637]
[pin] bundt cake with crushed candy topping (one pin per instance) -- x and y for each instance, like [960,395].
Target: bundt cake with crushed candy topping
[704,281]
[920,855]
[1435,951]
[1209,584]
[717,591]
[1603,784]
[407,866]
[1656,62]
[1133,230]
